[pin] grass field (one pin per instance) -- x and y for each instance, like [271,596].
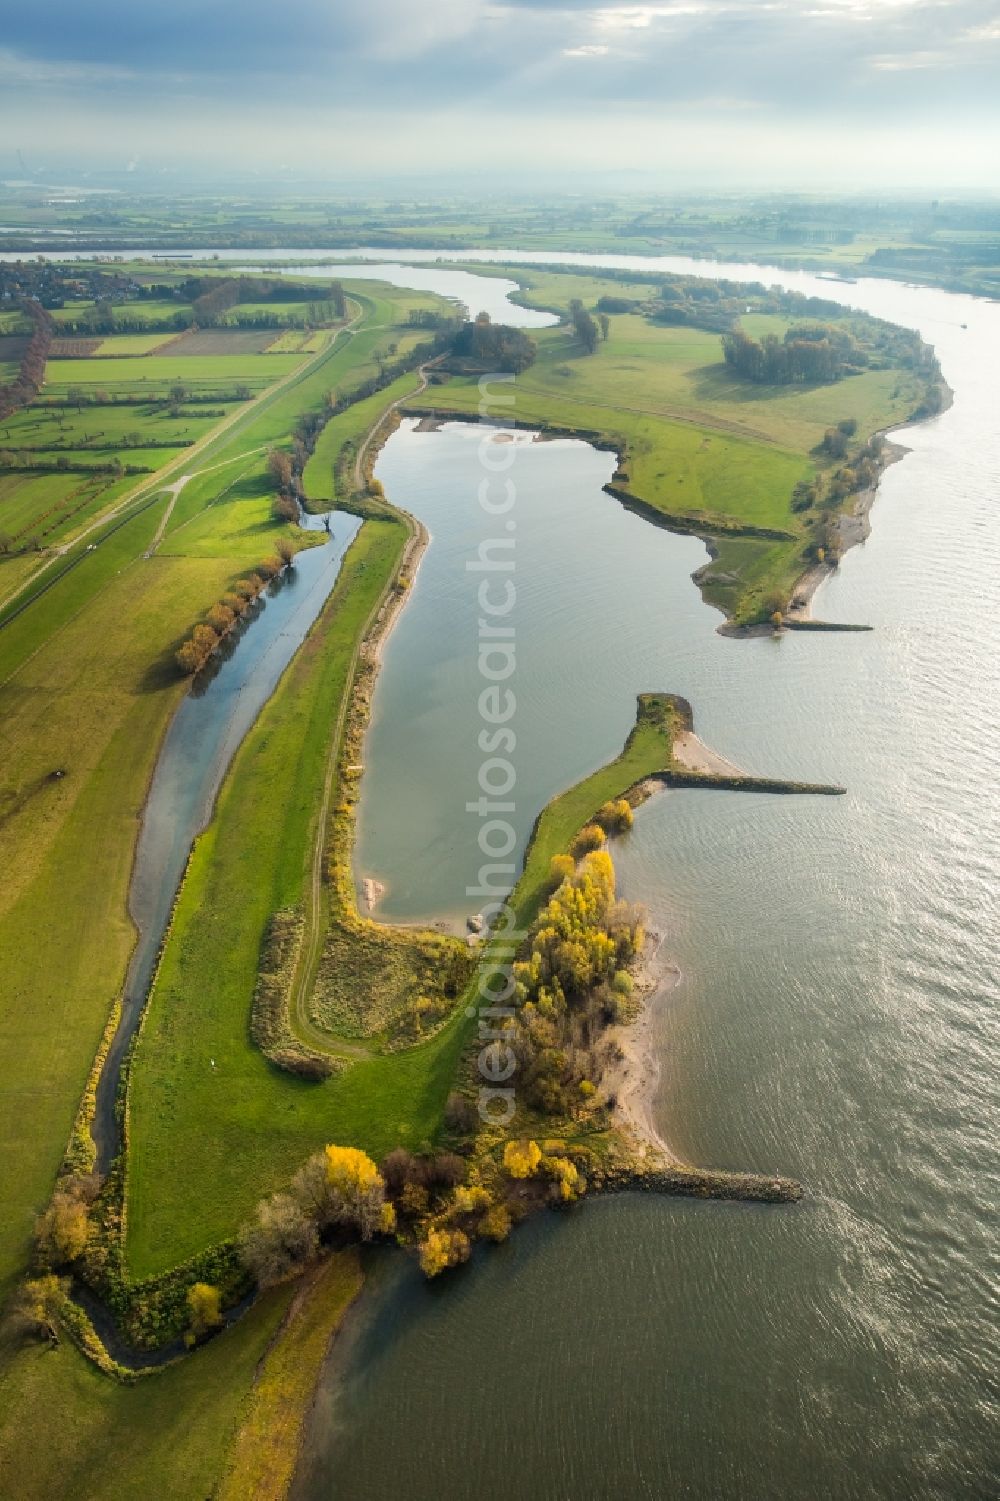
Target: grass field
[67,1431]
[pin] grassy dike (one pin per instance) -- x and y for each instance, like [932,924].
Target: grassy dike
[263,1456]
[243,1127]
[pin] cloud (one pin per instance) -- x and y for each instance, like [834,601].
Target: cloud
[530,66]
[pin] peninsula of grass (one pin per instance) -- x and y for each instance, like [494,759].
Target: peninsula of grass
[701,449]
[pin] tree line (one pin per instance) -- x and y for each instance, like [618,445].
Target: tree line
[31,372]
[493,346]
[206,637]
[808,354]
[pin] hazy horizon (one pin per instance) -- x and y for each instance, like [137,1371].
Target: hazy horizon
[689,94]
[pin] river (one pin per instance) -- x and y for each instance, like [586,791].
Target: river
[204,735]
[836,1019]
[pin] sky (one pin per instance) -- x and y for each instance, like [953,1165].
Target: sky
[752,93]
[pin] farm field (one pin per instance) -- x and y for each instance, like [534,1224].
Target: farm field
[201,372]
[117,345]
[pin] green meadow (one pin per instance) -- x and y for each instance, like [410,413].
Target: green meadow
[702,448]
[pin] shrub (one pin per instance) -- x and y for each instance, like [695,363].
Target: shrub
[414,1199]
[399,1168]
[285,550]
[616,817]
[441,1249]
[560,867]
[205,1309]
[460,1113]
[34,1307]
[567,1182]
[495,1223]
[468,1200]
[591,837]
[447,1169]
[521,1158]
[269,568]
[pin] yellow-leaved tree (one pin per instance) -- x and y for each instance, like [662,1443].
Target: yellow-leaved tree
[441,1249]
[521,1158]
[205,1308]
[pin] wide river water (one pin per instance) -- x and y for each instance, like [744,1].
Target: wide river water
[836,1018]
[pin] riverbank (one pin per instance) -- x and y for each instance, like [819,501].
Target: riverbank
[631,1077]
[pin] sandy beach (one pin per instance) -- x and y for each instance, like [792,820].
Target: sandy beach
[632,1077]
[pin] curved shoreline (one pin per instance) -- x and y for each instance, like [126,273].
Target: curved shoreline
[632,1080]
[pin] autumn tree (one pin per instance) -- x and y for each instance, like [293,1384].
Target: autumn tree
[221,618]
[355,1190]
[61,1231]
[590,837]
[34,1308]
[204,1309]
[279,467]
[281,1241]
[441,1249]
[616,817]
[285,508]
[521,1158]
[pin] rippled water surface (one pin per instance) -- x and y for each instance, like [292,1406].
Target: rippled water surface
[836,1019]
